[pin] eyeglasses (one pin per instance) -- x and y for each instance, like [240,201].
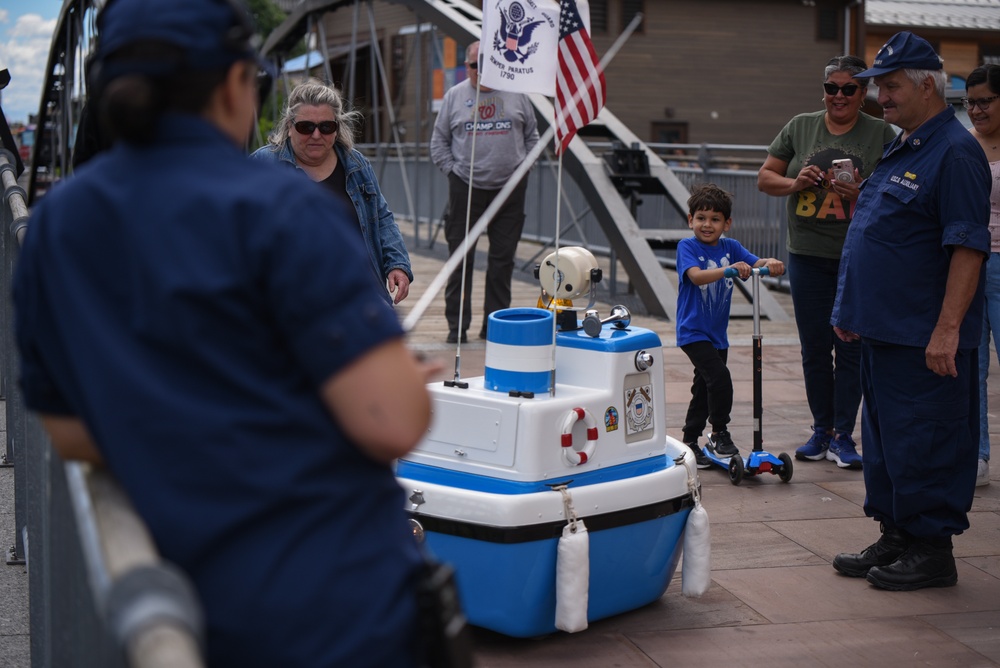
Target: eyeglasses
[983,103]
[308,127]
[848,89]
[472,66]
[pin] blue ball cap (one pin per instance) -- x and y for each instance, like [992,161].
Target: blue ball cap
[212,33]
[903,51]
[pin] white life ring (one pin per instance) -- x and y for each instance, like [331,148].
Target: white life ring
[572,456]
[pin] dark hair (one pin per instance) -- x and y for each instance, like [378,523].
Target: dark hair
[132,86]
[850,64]
[710,197]
[985,74]
[129,106]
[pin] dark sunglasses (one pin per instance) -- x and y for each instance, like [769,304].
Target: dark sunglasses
[308,127]
[472,66]
[848,89]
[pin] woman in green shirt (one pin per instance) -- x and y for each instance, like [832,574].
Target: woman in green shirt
[800,166]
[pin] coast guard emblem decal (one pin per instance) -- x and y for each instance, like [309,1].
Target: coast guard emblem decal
[638,409]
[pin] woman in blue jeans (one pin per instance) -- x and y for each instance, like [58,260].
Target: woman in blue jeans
[799,166]
[982,100]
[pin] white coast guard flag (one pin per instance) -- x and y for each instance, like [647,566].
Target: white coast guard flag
[519,44]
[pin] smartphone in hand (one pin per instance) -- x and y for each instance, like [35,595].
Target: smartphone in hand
[843,170]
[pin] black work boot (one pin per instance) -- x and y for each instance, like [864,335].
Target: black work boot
[883,552]
[927,562]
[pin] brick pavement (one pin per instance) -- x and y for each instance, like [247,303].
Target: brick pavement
[774,598]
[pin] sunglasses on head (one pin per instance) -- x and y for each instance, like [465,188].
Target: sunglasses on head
[848,89]
[308,127]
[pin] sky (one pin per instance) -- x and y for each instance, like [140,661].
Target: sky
[26,28]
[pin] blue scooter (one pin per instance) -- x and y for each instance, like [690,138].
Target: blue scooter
[759,461]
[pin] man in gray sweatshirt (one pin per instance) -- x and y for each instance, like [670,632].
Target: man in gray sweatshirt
[507,131]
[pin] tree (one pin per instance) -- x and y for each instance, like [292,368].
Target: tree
[266,15]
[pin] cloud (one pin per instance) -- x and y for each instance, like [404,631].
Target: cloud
[24,50]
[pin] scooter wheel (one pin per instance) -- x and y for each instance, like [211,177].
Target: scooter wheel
[736,469]
[786,467]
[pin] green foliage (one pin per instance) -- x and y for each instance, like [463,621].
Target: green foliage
[268,117]
[266,15]
[264,127]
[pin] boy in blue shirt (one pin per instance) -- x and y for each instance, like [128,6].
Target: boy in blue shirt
[703,301]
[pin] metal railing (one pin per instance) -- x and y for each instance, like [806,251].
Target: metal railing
[101,596]
[759,220]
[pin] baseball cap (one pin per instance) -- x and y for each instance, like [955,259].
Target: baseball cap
[211,33]
[904,50]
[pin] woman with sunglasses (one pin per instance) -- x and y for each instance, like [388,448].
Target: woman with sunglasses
[800,166]
[982,90]
[315,134]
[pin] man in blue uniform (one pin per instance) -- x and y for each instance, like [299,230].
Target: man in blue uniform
[911,288]
[177,324]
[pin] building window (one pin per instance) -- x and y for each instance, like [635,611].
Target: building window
[668,132]
[990,54]
[599,17]
[827,23]
[629,9]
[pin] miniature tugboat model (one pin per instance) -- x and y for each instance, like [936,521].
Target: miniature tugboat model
[517,457]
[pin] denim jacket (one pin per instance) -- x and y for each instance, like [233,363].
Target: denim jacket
[385,244]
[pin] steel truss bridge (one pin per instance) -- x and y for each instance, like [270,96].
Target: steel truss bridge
[610,181]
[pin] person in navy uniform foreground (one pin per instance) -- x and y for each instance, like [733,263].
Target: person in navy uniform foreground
[192,320]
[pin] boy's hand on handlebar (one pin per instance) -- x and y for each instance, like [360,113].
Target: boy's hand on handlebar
[743,269]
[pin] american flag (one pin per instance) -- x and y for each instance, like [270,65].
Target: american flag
[578,71]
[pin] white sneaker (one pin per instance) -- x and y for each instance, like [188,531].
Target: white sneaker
[983,474]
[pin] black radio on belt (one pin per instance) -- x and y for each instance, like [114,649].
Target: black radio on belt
[446,637]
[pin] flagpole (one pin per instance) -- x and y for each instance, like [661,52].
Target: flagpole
[557,279]
[457,374]
[413,317]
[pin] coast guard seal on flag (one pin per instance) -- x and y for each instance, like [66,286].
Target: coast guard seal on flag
[513,39]
[518,45]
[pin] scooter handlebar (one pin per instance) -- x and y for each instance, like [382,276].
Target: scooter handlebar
[731,272]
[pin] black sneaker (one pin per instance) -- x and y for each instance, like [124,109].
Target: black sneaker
[453,337]
[700,459]
[721,443]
